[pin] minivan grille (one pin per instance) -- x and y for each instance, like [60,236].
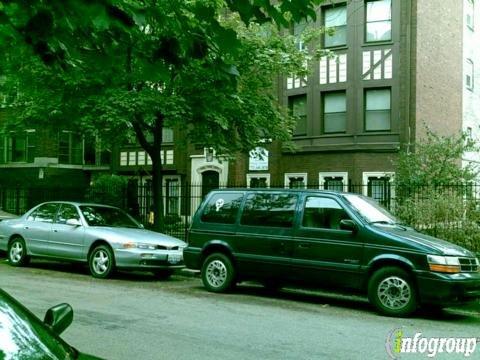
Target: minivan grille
[468,265]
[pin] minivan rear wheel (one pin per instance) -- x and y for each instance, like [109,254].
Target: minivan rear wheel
[392,291]
[218,273]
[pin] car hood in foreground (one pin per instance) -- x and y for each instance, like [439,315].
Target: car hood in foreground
[135,235]
[426,241]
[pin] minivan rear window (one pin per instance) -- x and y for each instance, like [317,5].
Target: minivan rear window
[222,208]
[276,210]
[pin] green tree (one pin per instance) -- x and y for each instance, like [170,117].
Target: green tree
[131,66]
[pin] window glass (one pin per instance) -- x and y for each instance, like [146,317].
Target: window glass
[167,135]
[377,110]
[469,74]
[379,20]
[334,183]
[379,189]
[296,182]
[2,149]
[18,148]
[172,196]
[470,14]
[323,213]
[258,182]
[275,210]
[46,213]
[298,108]
[336,20]
[298,29]
[108,216]
[67,212]
[222,208]
[334,112]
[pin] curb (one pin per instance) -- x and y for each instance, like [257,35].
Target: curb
[188,273]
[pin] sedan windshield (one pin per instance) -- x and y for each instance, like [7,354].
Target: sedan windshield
[24,336]
[370,210]
[107,216]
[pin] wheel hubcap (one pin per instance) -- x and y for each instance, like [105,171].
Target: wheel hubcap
[216,273]
[394,293]
[100,261]
[16,252]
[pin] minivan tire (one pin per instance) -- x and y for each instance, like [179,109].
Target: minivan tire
[218,273]
[392,291]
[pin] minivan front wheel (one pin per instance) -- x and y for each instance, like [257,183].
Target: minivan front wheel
[218,273]
[392,292]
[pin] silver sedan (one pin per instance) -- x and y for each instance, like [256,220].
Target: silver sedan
[103,236]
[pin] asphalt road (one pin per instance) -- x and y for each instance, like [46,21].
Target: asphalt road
[134,316]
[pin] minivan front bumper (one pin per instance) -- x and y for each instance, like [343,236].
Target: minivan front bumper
[448,289]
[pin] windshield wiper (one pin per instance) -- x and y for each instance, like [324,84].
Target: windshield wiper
[384,222]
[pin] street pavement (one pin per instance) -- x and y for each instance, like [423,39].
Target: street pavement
[134,316]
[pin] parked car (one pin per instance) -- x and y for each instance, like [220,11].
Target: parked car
[23,336]
[103,236]
[326,238]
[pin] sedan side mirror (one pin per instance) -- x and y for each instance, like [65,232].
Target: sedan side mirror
[73,222]
[349,225]
[59,317]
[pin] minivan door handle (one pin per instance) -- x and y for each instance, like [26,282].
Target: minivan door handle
[304,246]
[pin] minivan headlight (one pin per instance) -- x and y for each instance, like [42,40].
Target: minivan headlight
[444,264]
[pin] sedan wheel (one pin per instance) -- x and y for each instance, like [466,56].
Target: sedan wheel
[218,273]
[17,252]
[101,262]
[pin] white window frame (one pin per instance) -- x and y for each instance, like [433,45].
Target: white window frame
[323,175]
[295,175]
[379,174]
[258,175]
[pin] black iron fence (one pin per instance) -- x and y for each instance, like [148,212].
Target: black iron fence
[450,211]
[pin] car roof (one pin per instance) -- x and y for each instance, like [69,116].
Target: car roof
[77,203]
[314,191]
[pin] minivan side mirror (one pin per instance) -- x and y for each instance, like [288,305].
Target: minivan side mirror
[73,222]
[349,225]
[59,317]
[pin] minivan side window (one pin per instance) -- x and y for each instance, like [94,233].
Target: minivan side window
[277,210]
[323,213]
[222,208]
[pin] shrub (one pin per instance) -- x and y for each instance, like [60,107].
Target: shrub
[109,190]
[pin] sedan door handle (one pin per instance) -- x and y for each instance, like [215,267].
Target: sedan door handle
[26,227]
[55,230]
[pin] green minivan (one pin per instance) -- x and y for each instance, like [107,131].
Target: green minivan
[326,239]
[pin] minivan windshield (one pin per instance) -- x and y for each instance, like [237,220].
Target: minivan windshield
[370,210]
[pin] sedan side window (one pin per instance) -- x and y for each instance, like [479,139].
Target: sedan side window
[67,212]
[323,213]
[46,213]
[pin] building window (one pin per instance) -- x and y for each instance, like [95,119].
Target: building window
[167,135]
[298,109]
[377,110]
[70,148]
[141,158]
[469,73]
[94,151]
[470,14]
[335,181]
[334,112]
[378,20]
[379,186]
[132,158]
[298,30]
[123,158]
[258,180]
[296,181]
[17,147]
[172,196]
[335,20]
